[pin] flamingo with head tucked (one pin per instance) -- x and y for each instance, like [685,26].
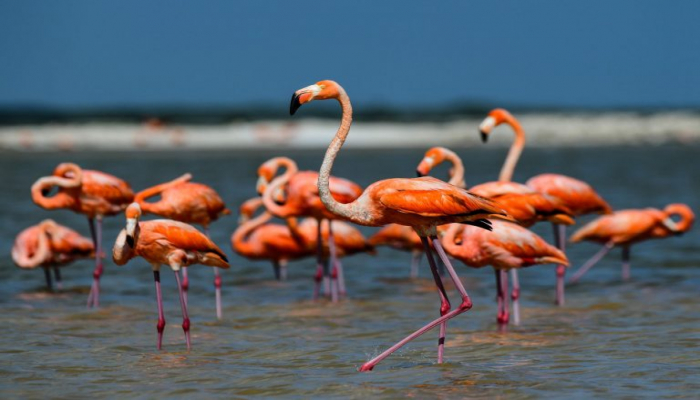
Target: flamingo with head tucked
[299,193]
[175,244]
[50,245]
[88,192]
[191,203]
[522,203]
[576,195]
[627,227]
[508,246]
[422,203]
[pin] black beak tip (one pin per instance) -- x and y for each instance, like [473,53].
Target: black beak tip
[419,174]
[484,137]
[130,241]
[294,105]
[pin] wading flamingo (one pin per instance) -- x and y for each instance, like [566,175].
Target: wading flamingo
[172,243]
[626,227]
[508,246]
[576,195]
[258,240]
[50,245]
[522,203]
[422,203]
[301,199]
[92,193]
[191,203]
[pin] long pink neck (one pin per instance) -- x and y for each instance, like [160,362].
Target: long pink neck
[240,240]
[41,253]
[343,210]
[289,165]
[281,211]
[62,199]
[457,170]
[464,250]
[155,208]
[515,150]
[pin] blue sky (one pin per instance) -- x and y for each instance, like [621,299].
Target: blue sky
[77,54]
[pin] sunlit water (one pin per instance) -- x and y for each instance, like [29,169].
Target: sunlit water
[637,339]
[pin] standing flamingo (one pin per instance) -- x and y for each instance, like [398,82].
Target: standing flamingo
[422,203]
[576,195]
[191,203]
[92,193]
[508,246]
[626,227]
[522,203]
[301,199]
[50,245]
[172,243]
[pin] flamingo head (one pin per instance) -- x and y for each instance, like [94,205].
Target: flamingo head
[322,90]
[432,158]
[687,217]
[266,172]
[133,213]
[492,120]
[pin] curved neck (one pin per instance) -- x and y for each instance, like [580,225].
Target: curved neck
[281,211]
[515,150]
[59,200]
[457,170]
[240,236]
[143,195]
[41,253]
[448,239]
[686,219]
[289,165]
[324,175]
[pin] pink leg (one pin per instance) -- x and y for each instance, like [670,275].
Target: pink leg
[445,305]
[161,315]
[416,255]
[626,264]
[337,273]
[319,277]
[560,243]
[217,283]
[464,306]
[185,317]
[96,231]
[590,263]
[185,284]
[515,296]
[57,275]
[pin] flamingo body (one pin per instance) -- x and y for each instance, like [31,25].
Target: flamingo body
[578,196]
[49,244]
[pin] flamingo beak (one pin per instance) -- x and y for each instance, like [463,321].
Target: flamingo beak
[261,186]
[486,127]
[672,226]
[295,104]
[130,231]
[302,96]
[425,166]
[484,137]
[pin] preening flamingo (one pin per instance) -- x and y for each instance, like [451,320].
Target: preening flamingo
[626,227]
[301,199]
[508,246]
[579,197]
[175,244]
[522,203]
[422,203]
[50,245]
[88,192]
[191,203]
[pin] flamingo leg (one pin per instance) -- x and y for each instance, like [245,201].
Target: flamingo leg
[47,275]
[161,316]
[333,265]
[591,262]
[626,271]
[96,232]
[515,296]
[319,277]
[445,305]
[560,243]
[337,272]
[416,256]
[185,285]
[276,269]
[463,307]
[185,317]
[217,283]
[57,275]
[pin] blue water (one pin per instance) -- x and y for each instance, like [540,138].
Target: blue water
[612,339]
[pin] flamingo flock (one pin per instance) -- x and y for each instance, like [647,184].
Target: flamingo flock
[485,225]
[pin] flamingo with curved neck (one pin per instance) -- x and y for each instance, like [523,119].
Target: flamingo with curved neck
[625,228]
[422,203]
[93,193]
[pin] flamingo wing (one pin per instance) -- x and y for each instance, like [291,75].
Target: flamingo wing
[185,237]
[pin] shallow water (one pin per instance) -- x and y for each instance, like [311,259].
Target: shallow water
[637,339]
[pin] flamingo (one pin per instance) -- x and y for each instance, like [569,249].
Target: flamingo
[624,228]
[191,203]
[93,193]
[168,242]
[256,239]
[403,238]
[578,196]
[50,245]
[422,203]
[301,199]
[522,203]
[508,246]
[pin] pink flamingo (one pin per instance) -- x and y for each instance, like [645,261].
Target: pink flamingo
[172,243]
[422,203]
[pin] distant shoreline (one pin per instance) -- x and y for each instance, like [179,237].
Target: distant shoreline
[543,129]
